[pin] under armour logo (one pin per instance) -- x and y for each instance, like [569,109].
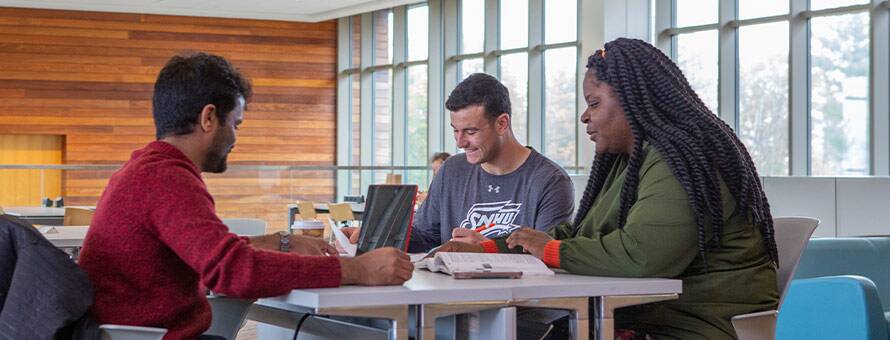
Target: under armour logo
[496,189]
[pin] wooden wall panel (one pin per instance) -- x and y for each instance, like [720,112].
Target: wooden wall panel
[20,187]
[88,76]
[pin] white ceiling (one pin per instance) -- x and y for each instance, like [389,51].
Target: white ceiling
[287,10]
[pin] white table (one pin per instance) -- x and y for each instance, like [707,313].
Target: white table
[68,236]
[38,215]
[438,295]
[41,215]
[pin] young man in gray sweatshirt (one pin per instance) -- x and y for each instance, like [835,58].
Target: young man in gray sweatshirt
[497,185]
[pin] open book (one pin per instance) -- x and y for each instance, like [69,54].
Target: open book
[482,265]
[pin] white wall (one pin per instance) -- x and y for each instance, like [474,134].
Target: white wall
[845,206]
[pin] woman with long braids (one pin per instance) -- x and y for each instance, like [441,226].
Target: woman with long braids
[672,193]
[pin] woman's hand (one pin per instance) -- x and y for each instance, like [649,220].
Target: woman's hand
[533,241]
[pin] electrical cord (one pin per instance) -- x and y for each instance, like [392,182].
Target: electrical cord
[300,324]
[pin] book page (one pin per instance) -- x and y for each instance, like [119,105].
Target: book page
[343,240]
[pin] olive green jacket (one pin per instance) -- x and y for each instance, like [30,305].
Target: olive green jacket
[660,239]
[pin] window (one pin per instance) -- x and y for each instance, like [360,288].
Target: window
[395,123]
[697,58]
[771,64]
[381,142]
[560,82]
[514,75]
[472,21]
[763,95]
[559,105]
[839,95]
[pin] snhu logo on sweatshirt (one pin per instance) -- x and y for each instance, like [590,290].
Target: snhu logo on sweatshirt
[497,217]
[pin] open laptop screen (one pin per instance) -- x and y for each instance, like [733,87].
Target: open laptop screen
[387,219]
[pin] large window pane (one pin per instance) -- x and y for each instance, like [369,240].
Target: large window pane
[697,58]
[355,43]
[839,94]
[470,66]
[355,131]
[763,95]
[383,37]
[514,75]
[822,4]
[472,26]
[761,8]
[382,131]
[560,111]
[514,23]
[417,124]
[560,21]
[418,33]
[696,12]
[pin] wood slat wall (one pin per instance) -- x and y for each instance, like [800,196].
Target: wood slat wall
[89,76]
[20,187]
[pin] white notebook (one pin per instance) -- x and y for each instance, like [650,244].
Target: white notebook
[481,263]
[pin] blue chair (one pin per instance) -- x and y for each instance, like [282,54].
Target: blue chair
[832,307]
[836,292]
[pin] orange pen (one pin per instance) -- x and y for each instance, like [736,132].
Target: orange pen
[482,228]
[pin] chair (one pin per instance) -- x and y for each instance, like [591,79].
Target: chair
[853,267]
[246,226]
[341,212]
[832,307]
[393,179]
[60,281]
[120,332]
[228,315]
[792,234]
[77,216]
[307,210]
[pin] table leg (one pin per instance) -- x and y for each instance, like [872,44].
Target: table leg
[578,306]
[285,317]
[606,306]
[397,313]
[427,314]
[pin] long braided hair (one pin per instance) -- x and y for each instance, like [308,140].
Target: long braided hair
[700,149]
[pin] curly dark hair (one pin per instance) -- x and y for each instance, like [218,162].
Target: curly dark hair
[190,81]
[441,156]
[480,89]
[700,149]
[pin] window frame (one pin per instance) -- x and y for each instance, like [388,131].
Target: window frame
[799,111]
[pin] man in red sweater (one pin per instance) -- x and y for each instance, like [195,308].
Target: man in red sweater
[155,239]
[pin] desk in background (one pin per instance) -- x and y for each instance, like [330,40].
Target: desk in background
[41,215]
[322,208]
[437,295]
[67,236]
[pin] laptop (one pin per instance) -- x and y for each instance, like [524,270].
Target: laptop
[387,217]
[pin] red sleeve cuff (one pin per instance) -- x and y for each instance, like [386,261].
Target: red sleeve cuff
[490,246]
[551,253]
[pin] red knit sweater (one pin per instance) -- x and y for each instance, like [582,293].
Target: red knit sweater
[155,239]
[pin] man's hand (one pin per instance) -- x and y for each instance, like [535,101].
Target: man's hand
[533,241]
[461,247]
[305,245]
[352,233]
[466,235]
[379,267]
